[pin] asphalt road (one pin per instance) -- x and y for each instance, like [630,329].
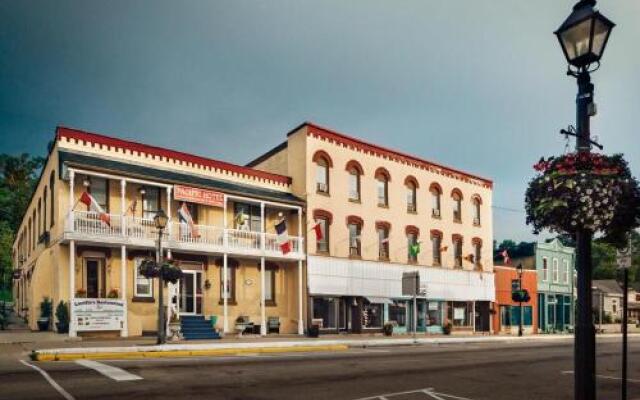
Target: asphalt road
[491,371]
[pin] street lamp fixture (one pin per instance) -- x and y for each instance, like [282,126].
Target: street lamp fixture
[86,182]
[160,219]
[584,34]
[142,191]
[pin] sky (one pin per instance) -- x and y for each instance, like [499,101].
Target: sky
[477,85]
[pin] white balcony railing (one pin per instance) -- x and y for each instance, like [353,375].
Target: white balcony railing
[142,231]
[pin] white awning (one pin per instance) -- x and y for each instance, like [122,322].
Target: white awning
[372,279]
[379,300]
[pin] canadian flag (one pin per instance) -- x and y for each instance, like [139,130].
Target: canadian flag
[283,237]
[318,230]
[505,256]
[93,206]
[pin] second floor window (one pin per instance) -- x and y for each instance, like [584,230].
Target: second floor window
[354,239]
[436,244]
[411,197]
[247,217]
[565,271]
[413,247]
[322,244]
[457,253]
[322,175]
[545,269]
[99,189]
[477,254]
[150,202]
[383,243]
[354,184]
[556,276]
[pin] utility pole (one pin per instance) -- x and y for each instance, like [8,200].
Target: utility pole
[624,263]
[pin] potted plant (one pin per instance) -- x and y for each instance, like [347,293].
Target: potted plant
[313,331]
[175,328]
[81,293]
[62,315]
[46,308]
[446,329]
[387,329]
[113,294]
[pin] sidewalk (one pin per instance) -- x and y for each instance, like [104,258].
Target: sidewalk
[225,347]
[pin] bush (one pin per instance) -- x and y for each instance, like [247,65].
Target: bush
[446,329]
[46,308]
[62,315]
[387,329]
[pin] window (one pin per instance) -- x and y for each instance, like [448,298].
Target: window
[247,217]
[545,269]
[230,294]
[382,186]
[322,175]
[95,278]
[436,194]
[52,182]
[322,245]
[565,271]
[457,206]
[143,287]
[44,210]
[436,244]
[383,242]
[412,240]
[527,315]
[477,254]
[476,210]
[150,202]
[270,286]
[99,189]
[457,252]
[38,225]
[460,313]
[411,197]
[555,270]
[354,184]
[354,239]
[372,315]
[398,314]
[325,310]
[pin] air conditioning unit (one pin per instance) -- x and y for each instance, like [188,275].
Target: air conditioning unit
[435,212]
[411,207]
[322,187]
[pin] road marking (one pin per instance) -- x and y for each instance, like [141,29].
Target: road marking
[615,378]
[49,379]
[115,373]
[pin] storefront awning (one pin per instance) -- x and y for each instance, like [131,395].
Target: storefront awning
[379,300]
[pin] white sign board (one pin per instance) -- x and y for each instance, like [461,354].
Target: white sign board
[458,313]
[98,314]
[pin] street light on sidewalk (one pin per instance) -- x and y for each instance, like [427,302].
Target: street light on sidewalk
[519,269]
[583,37]
[160,220]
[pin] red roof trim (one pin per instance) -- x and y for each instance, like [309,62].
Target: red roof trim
[395,155]
[162,152]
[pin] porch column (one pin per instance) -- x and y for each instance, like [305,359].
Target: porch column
[300,286]
[473,316]
[170,219]
[263,311]
[72,284]
[225,290]
[72,178]
[123,288]
[123,206]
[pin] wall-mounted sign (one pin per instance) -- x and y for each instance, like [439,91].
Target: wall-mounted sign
[199,196]
[98,314]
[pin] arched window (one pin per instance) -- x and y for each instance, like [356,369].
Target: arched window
[477,252]
[436,196]
[436,246]
[323,163]
[354,224]
[383,227]
[456,195]
[413,246]
[355,171]
[52,182]
[382,185]
[457,250]
[322,220]
[477,202]
[44,209]
[39,220]
[412,185]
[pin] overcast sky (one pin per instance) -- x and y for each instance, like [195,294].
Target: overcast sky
[478,85]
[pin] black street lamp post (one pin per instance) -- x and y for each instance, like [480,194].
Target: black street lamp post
[583,37]
[160,220]
[519,268]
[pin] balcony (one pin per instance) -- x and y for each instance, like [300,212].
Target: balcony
[141,232]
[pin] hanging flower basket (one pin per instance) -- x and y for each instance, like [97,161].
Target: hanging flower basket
[169,270]
[584,190]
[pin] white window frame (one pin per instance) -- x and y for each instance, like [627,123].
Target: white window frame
[545,269]
[137,262]
[565,271]
[556,270]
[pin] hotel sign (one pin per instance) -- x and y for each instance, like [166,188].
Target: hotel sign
[199,196]
[98,314]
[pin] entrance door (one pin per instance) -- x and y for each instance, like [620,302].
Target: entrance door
[95,279]
[190,293]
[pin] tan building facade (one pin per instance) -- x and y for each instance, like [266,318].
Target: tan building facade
[381,213]
[233,264]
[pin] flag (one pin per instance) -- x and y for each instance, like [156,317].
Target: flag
[93,206]
[505,257]
[444,248]
[185,217]
[283,237]
[469,258]
[318,230]
[414,249]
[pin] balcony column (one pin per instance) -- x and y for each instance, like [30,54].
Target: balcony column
[123,206]
[123,288]
[170,219]
[300,291]
[263,311]
[72,178]
[72,285]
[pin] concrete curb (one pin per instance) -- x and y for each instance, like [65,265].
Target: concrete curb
[220,349]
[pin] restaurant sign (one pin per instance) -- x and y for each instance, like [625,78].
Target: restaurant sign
[98,314]
[199,196]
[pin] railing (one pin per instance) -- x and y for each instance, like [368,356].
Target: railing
[177,233]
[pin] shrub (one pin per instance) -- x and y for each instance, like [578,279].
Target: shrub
[46,308]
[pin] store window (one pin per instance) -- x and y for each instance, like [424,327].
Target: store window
[372,315]
[150,202]
[325,311]
[143,287]
[99,189]
[398,314]
[505,315]
[527,315]
[434,313]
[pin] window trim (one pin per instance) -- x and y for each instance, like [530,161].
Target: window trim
[556,270]
[273,270]
[136,295]
[107,205]
[545,269]
[232,266]
[436,234]
[158,202]
[318,156]
[354,166]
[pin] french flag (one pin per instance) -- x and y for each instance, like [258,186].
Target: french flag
[93,206]
[283,237]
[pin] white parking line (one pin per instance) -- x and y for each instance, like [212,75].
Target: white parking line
[427,392]
[615,378]
[115,373]
[49,379]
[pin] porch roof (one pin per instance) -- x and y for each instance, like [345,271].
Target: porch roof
[172,177]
